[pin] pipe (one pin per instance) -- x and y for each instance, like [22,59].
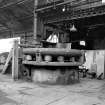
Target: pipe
[73,3]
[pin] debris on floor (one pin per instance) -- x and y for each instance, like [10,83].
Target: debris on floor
[87,92]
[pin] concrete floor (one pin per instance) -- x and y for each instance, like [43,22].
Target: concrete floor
[87,92]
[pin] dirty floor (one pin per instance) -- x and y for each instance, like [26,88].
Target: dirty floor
[87,92]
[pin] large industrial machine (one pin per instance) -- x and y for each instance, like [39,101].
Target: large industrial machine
[52,65]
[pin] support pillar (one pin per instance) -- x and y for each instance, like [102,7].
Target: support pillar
[35,19]
[15,70]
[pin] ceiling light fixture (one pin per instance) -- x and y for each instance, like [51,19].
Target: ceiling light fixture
[103,1]
[64,9]
[73,28]
[54,5]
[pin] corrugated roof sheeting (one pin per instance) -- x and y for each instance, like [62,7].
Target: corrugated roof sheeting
[14,14]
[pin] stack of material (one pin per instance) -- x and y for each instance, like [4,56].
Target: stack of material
[3,57]
[95,62]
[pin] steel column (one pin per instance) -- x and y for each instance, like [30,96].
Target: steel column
[35,20]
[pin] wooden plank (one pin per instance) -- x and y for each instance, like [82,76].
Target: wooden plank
[15,70]
[54,51]
[52,63]
[7,62]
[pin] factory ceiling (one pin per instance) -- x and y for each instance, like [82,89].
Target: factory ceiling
[16,15]
[87,15]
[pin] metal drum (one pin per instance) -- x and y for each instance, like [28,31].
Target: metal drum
[28,57]
[72,59]
[48,58]
[60,58]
